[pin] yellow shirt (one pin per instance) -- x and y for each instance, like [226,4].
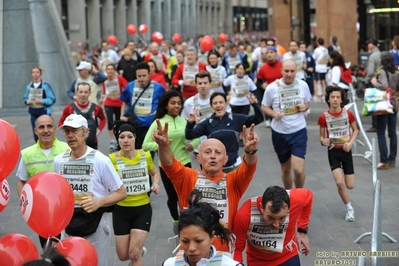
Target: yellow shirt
[133,200]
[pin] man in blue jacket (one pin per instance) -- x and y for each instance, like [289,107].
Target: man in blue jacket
[140,101]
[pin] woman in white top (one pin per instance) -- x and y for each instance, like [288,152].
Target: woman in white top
[218,72]
[197,227]
[240,86]
[337,64]
[334,75]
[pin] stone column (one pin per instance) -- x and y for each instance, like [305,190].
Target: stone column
[280,20]
[166,21]
[131,18]
[77,22]
[198,20]
[144,11]
[107,12]
[228,17]
[176,17]
[338,18]
[156,15]
[222,14]
[186,19]
[193,18]
[120,21]
[93,21]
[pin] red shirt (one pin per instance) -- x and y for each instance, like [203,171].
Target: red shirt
[237,182]
[323,123]
[115,102]
[160,78]
[164,59]
[269,72]
[187,91]
[301,200]
[98,114]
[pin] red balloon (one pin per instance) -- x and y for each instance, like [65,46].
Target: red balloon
[176,37]
[143,28]
[131,29]
[9,149]
[78,251]
[222,37]
[207,43]
[112,39]
[157,37]
[4,194]
[47,203]
[16,249]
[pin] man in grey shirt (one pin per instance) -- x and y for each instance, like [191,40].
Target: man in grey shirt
[372,65]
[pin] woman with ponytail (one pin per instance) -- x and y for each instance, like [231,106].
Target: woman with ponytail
[198,225]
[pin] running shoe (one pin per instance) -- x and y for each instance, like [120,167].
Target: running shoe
[112,145]
[350,215]
[175,229]
[267,123]
[143,251]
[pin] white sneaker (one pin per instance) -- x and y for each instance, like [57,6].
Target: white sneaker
[267,123]
[143,251]
[350,215]
[315,99]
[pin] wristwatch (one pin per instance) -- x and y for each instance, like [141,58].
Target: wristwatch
[303,230]
[251,152]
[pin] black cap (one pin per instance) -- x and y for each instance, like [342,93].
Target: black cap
[373,41]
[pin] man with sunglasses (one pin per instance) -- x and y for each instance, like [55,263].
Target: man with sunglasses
[95,183]
[93,113]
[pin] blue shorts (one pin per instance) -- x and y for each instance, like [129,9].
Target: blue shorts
[286,145]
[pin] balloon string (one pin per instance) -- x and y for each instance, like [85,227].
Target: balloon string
[59,242]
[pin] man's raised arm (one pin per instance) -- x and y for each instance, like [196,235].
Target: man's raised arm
[160,136]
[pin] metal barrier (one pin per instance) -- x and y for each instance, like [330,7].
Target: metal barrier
[376,233]
[352,104]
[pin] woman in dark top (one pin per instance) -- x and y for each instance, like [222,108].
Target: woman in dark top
[224,126]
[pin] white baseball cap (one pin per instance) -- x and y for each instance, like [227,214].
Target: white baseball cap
[75,121]
[84,65]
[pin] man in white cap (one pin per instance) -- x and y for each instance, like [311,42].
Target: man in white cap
[95,184]
[87,74]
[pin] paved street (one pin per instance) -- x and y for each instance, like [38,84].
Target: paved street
[328,230]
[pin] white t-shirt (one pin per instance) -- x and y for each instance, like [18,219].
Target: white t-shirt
[299,57]
[226,260]
[220,73]
[334,76]
[320,55]
[105,178]
[289,123]
[22,172]
[109,56]
[240,87]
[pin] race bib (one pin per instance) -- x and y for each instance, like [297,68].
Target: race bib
[112,89]
[35,94]
[338,128]
[241,87]
[144,104]
[289,99]
[216,195]
[189,72]
[80,178]
[233,62]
